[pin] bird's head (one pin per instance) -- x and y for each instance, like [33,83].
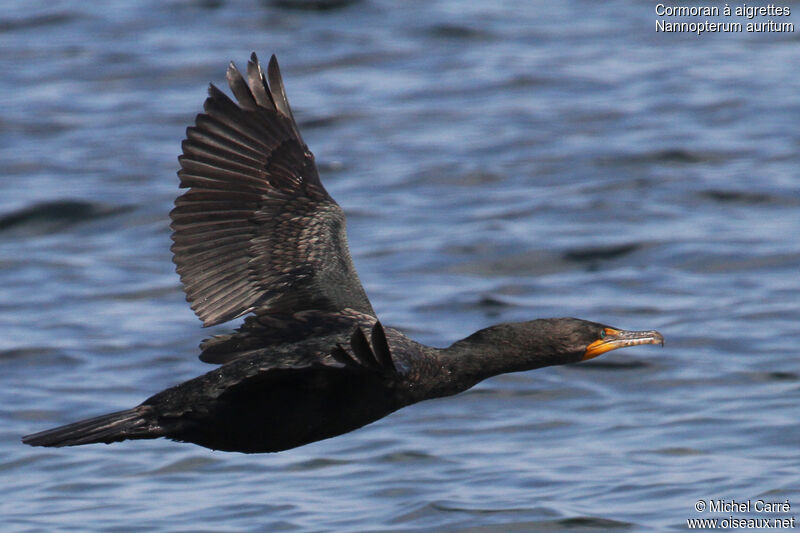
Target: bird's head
[569,340]
[520,346]
[548,341]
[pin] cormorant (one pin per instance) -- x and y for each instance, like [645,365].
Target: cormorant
[256,232]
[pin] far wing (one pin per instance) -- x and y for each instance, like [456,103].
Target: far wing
[348,349]
[256,229]
[268,335]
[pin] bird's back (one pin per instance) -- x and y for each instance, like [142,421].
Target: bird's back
[292,393]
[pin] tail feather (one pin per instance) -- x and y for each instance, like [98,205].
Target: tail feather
[113,427]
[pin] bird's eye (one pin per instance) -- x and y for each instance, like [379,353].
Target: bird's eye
[602,333]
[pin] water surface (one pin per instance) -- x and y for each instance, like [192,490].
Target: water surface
[496,164]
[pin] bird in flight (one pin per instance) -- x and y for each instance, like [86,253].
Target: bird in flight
[257,234]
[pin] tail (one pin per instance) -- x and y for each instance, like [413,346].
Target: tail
[113,427]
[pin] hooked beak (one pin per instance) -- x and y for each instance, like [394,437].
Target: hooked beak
[616,338]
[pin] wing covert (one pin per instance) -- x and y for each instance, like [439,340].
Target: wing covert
[257,229]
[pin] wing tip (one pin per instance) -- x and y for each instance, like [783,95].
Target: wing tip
[273,63]
[374,356]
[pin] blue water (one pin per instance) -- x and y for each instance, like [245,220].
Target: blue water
[496,163]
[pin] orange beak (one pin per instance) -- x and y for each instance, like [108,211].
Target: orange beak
[616,338]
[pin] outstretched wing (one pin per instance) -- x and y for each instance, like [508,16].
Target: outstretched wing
[256,229]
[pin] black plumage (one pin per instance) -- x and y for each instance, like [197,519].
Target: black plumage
[256,232]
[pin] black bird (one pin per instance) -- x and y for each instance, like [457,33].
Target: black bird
[256,232]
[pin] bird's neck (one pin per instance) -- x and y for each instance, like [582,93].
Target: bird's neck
[496,350]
